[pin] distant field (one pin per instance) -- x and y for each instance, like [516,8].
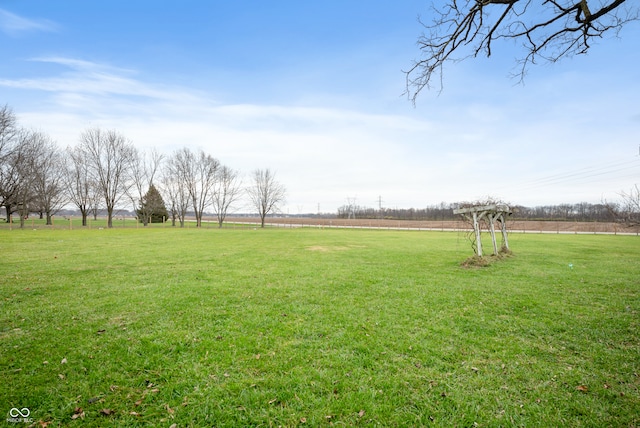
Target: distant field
[515,226]
[314,327]
[548,226]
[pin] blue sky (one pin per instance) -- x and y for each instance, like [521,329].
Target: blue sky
[313,90]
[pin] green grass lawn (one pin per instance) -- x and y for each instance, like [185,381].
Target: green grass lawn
[308,327]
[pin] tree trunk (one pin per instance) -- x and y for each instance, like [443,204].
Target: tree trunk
[8,208]
[84,217]
[49,222]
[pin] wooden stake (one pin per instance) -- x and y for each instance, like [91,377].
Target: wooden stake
[476,228]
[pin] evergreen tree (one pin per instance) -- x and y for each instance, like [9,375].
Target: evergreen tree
[152,208]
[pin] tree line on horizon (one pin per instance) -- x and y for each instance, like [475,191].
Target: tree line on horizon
[627,211]
[104,170]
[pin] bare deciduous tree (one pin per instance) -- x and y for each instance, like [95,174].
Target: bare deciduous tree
[628,211]
[17,175]
[631,205]
[227,190]
[49,179]
[198,173]
[547,30]
[110,157]
[81,189]
[8,143]
[27,159]
[8,131]
[175,190]
[265,193]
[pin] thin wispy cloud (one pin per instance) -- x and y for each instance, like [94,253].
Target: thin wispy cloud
[79,86]
[87,78]
[14,25]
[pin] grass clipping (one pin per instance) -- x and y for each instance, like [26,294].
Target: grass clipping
[486,261]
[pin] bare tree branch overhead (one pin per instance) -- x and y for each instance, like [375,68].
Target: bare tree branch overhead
[547,30]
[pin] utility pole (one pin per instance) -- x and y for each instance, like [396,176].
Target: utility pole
[351,203]
[380,206]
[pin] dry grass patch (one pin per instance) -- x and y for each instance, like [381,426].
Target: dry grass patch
[485,261]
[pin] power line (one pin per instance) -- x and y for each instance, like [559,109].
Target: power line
[583,175]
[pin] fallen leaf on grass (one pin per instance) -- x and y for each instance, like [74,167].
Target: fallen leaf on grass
[361,413]
[174,426]
[169,409]
[64,361]
[78,413]
[139,402]
[303,420]
[61,376]
[134,413]
[582,388]
[106,412]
